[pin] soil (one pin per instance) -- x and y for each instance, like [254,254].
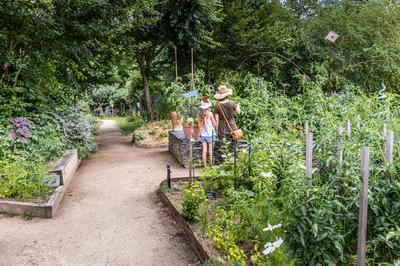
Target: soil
[175,196]
[153,134]
[110,214]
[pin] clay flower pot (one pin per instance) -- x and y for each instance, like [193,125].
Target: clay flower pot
[186,130]
[196,131]
[176,122]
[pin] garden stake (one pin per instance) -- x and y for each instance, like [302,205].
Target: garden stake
[340,149]
[363,213]
[212,148]
[384,135]
[348,128]
[309,151]
[389,151]
[234,163]
[249,159]
[191,56]
[389,147]
[169,176]
[190,152]
[339,157]
[176,62]
[306,128]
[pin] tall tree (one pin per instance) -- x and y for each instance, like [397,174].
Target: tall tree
[179,23]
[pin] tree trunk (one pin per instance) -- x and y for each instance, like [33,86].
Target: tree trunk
[146,89]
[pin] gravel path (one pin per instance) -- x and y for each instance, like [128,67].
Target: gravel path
[110,214]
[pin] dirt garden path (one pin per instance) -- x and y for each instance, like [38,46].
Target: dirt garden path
[109,216]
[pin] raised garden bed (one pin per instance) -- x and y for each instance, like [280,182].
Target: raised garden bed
[198,241]
[152,135]
[179,146]
[65,167]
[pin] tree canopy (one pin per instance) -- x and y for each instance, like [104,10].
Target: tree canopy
[55,52]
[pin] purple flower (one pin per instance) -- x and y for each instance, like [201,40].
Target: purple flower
[21,128]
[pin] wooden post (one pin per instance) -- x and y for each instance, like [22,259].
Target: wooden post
[384,136]
[191,56]
[176,62]
[340,149]
[190,152]
[309,150]
[348,128]
[389,147]
[358,122]
[306,128]
[363,213]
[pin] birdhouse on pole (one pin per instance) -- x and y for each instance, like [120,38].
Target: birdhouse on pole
[332,36]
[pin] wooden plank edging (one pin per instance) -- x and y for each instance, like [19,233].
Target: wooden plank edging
[191,237]
[50,208]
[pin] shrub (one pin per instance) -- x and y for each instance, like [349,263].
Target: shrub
[76,130]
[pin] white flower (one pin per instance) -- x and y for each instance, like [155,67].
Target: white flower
[271,247]
[278,242]
[267,175]
[270,227]
[268,250]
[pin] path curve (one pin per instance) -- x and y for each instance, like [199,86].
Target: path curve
[110,214]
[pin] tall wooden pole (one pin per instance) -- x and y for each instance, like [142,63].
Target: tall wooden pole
[191,56]
[384,136]
[348,128]
[340,149]
[389,147]
[309,152]
[363,213]
[176,62]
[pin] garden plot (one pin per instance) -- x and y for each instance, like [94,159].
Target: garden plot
[57,180]
[301,196]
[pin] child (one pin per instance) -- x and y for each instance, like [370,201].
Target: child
[207,123]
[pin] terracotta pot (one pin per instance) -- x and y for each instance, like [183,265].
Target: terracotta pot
[186,130]
[176,122]
[196,131]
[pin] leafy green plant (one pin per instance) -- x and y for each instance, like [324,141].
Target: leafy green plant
[193,196]
[23,180]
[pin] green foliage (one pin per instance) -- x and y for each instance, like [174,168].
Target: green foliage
[129,123]
[23,180]
[106,93]
[193,196]
[76,130]
[320,221]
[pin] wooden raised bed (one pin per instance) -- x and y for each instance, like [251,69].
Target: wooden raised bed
[203,246]
[66,167]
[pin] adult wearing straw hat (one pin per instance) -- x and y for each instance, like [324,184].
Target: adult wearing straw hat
[225,112]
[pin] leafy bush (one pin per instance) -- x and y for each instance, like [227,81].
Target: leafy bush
[76,130]
[23,180]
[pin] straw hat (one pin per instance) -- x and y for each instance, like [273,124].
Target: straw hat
[205,105]
[223,92]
